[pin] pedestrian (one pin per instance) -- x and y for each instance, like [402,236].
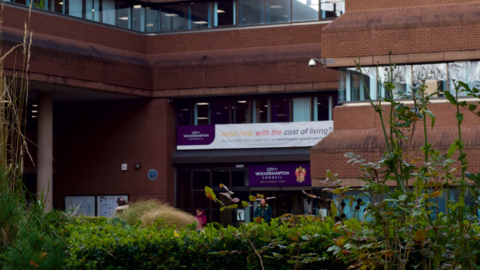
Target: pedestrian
[121,206]
[264,211]
[201,219]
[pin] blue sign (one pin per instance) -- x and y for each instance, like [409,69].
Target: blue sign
[152,174]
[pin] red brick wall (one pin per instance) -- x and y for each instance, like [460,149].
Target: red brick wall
[356,5]
[93,139]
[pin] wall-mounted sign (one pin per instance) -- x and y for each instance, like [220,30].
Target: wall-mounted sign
[265,135]
[279,175]
[152,174]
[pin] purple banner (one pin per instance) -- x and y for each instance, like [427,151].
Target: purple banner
[279,175]
[195,135]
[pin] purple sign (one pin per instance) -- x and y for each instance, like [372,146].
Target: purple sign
[195,135]
[279,175]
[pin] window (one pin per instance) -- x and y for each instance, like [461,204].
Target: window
[184,113]
[124,17]
[201,179]
[138,18]
[56,6]
[224,13]
[262,110]
[305,10]
[250,12]
[352,87]
[202,112]
[74,7]
[277,11]
[280,110]
[152,19]
[302,109]
[241,112]
[220,177]
[108,12]
[333,8]
[220,112]
[173,17]
[401,81]
[323,106]
[22,2]
[434,75]
[92,10]
[199,15]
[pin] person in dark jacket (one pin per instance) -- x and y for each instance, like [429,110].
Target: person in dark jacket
[264,211]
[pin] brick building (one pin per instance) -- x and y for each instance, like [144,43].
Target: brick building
[194,94]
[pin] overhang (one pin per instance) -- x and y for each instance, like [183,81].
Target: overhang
[299,154]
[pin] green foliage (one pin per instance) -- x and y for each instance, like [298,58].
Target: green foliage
[283,245]
[152,212]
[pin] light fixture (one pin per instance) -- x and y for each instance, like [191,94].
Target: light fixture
[266,106]
[171,15]
[261,111]
[34,111]
[276,6]
[34,116]
[137,6]
[319,103]
[220,11]
[93,10]
[150,25]
[60,3]
[242,101]
[185,110]
[200,22]
[202,103]
[34,105]
[202,118]
[123,18]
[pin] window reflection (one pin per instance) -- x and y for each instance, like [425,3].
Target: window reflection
[262,110]
[280,110]
[401,80]
[138,18]
[305,10]
[74,8]
[152,19]
[173,17]
[250,12]
[467,72]
[434,75]
[92,10]
[108,12]
[277,11]
[332,8]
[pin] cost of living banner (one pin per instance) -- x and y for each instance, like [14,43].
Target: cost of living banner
[265,135]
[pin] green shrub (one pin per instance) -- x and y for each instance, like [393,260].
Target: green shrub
[155,213]
[131,247]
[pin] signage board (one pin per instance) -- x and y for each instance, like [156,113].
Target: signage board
[264,135]
[267,175]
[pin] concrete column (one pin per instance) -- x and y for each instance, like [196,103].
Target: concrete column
[45,144]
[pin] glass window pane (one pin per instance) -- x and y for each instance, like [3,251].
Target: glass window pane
[277,11]
[280,110]
[352,87]
[92,10]
[250,12]
[239,178]
[220,177]
[173,17]
[333,8]
[108,12]
[153,20]
[322,108]
[201,179]
[124,15]
[184,194]
[262,112]
[242,112]
[224,13]
[75,8]
[220,112]
[55,6]
[305,10]
[202,113]
[434,75]
[401,81]
[184,113]
[199,16]
[467,72]
[41,4]
[22,2]
[138,18]
[302,109]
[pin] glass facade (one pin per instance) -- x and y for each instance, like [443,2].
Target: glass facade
[274,109]
[154,18]
[438,78]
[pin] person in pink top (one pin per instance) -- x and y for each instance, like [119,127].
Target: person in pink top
[201,219]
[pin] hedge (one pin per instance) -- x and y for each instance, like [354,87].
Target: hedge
[113,245]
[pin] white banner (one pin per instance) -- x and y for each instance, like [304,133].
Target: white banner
[240,136]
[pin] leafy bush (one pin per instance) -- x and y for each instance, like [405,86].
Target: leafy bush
[155,213]
[131,247]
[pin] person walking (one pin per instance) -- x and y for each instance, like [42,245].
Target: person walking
[201,219]
[264,211]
